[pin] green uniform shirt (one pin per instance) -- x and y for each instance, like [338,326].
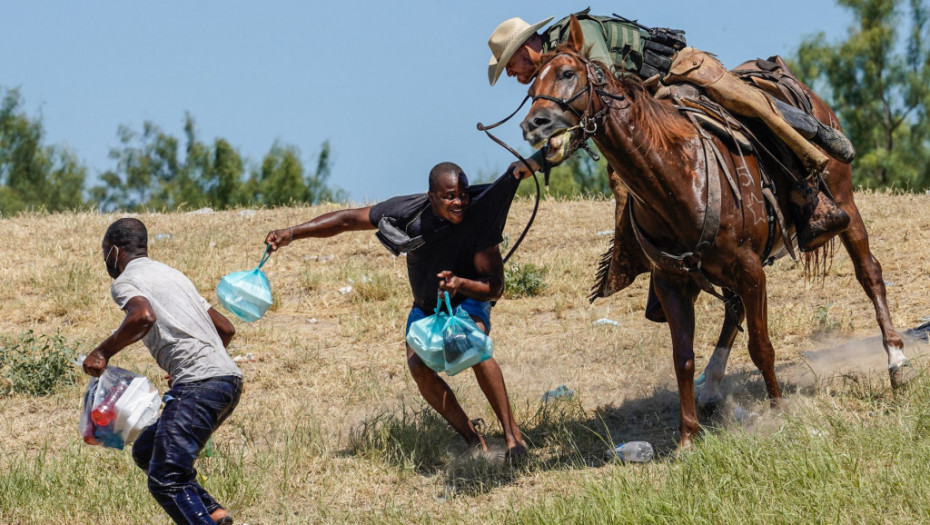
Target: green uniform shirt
[617,44]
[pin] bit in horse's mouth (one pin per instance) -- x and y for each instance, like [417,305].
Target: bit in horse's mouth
[560,146]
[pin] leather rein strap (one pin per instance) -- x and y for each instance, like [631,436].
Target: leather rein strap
[526,229]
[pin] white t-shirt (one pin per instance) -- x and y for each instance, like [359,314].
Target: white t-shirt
[183,340]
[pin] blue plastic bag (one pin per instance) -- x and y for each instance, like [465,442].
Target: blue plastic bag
[464,344]
[246,294]
[449,343]
[425,337]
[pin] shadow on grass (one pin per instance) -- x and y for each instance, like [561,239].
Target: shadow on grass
[562,434]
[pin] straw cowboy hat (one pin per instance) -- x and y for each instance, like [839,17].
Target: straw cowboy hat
[505,40]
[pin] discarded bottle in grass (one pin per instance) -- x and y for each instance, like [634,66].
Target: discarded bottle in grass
[104,413]
[634,452]
[555,393]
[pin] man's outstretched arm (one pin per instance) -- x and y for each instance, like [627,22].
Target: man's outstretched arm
[326,225]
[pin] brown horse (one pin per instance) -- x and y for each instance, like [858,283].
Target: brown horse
[697,230]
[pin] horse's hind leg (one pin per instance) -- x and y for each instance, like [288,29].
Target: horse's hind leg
[869,274]
[710,391]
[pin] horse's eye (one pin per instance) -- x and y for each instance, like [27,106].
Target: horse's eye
[568,74]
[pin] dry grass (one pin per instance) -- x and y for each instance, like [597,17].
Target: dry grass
[330,414]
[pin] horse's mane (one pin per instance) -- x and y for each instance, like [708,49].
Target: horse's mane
[662,124]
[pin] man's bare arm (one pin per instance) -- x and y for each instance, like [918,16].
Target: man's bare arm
[140,317]
[326,225]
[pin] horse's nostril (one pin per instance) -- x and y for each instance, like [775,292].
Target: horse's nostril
[541,122]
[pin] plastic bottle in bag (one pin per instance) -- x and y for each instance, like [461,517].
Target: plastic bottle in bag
[634,452]
[104,412]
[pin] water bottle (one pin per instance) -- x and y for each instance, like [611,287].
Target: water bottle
[555,393]
[104,413]
[634,452]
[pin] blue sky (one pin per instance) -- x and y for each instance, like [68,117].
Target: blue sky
[396,87]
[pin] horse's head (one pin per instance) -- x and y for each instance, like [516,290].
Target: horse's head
[566,107]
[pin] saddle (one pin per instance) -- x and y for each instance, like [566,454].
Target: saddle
[624,260]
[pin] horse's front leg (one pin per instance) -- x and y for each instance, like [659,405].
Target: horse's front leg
[751,288]
[710,384]
[677,298]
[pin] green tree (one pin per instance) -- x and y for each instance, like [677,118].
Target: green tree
[146,167]
[878,82]
[151,173]
[317,188]
[224,183]
[282,179]
[33,175]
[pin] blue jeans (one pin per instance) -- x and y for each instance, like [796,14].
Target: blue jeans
[167,449]
[479,309]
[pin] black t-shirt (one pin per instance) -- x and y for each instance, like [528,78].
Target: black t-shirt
[448,247]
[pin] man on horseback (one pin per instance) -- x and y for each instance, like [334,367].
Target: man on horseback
[659,57]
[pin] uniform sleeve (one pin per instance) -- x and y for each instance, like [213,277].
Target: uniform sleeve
[123,291]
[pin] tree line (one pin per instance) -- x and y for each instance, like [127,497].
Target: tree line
[877,80]
[153,170]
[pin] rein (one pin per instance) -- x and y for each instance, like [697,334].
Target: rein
[546,168]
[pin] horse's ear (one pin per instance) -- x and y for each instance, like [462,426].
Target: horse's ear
[575,35]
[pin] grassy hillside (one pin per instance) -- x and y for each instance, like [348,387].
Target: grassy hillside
[331,427]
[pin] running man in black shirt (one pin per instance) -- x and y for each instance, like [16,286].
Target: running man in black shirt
[453,247]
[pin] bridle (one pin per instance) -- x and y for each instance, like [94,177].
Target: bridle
[587,125]
[596,81]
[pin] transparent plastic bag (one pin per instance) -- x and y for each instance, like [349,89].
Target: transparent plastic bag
[449,343]
[464,344]
[246,294]
[425,337]
[118,406]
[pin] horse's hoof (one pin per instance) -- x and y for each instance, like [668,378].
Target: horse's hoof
[711,404]
[902,374]
[682,449]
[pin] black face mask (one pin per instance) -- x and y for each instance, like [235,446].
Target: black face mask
[112,270]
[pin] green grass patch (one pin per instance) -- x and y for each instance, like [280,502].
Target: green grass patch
[524,280]
[36,365]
